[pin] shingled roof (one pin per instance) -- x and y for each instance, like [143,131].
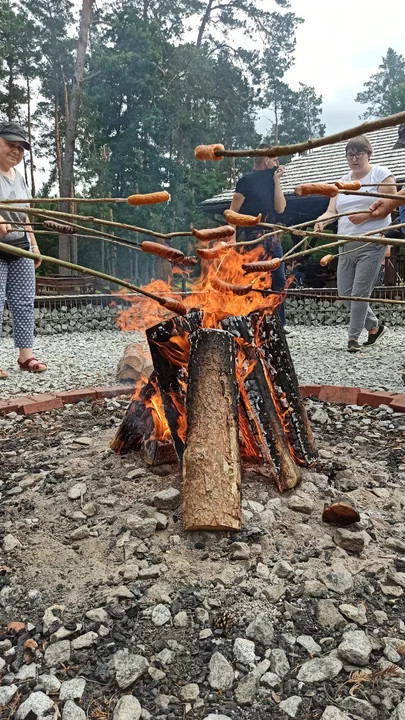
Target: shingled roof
[329,163]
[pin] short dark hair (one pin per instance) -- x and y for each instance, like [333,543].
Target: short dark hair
[361,143]
[262,146]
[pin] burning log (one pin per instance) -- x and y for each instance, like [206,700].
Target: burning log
[211,460]
[158,452]
[137,421]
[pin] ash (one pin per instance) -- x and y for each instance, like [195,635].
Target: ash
[110,599]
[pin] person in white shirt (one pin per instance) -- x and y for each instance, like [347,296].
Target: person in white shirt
[358,270]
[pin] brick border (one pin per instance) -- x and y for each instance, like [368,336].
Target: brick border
[28,404]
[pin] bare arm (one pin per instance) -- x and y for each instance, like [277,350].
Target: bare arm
[279,199]
[387,187]
[322,221]
[381,208]
[33,242]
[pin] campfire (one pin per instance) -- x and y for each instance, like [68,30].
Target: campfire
[223,392]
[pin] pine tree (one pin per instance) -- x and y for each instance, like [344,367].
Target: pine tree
[384,92]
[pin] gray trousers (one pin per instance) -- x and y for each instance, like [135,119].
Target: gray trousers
[356,275]
[17,284]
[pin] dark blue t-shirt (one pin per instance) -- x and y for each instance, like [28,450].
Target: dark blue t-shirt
[257,187]
[402,213]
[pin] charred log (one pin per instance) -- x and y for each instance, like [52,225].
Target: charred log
[211,459]
[137,422]
[158,452]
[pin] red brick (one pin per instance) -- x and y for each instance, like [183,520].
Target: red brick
[397,403]
[337,394]
[114,390]
[39,403]
[11,405]
[72,396]
[375,398]
[310,390]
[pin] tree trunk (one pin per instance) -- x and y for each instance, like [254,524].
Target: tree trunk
[211,460]
[72,120]
[29,130]
[204,22]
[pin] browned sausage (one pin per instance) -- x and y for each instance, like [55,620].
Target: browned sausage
[236,218]
[174,306]
[212,253]
[149,198]
[206,152]
[230,287]
[162,251]
[325,260]
[60,227]
[316,189]
[352,185]
[188,261]
[265,266]
[218,233]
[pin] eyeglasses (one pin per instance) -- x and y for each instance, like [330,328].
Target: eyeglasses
[352,156]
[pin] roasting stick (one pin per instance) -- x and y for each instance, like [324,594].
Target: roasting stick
[390,121]
[172,305]
[349,298]
[138,200]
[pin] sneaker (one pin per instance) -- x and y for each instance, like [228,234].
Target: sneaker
[374,337]
[353,346]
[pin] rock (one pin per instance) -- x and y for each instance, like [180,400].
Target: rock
[71,711]
[49,683]
[131,572]
[244,651]
[270,680]
[397,643]
[161,521]
[180,620]
[239,551]
[261,630]
[72,689]
[283,569]
[274,593]
[355,613]
[90,509]
[156,674]
[81,533]
[301,503]
[355,647]
[247,688]
[328,616]
[308,642]
[333,713]
[152,572]
[128,668]
[141,527]
[214,716]
[348,540]
[26,672]
[262,571]
[77,491]
[7,693]
[279,663]
[189,692]
[84,641]
[121,592]
[37,703]
[314,588]
[98,615]
[221,674]
[165,657]
[320,669]
[161,615]
[137,473]
[11,543]
[57,653]
[399,712]
[291,705]
[127,708]
[340,581]
[391,654]
[168,499]
[201,615]
[359,708]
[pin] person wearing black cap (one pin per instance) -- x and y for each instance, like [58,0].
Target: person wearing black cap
[382,207]
[17,275]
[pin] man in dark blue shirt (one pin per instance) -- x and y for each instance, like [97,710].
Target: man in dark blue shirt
[259,191]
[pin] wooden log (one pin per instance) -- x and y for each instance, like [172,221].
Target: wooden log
[211,459]
[257,395]
[137,422]
[157,452]
[170,348]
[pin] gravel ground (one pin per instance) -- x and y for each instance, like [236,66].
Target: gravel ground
[319,354]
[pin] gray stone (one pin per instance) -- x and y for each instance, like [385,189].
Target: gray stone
[340,581]
[348,540]
[138,472]
[314,588]
[320,669]
[7,693]
[128,668]
[84,641]
[283,569]
[274,593]
[98,615]
[141,527]
[27,672]
[355,613]
[333,713]
[156,674]
[270,680]
[291,705]
[57,653]
[261,630]
[279,663]
[152,572]
[127,708]
[301,503]
[399,712]
[247,688]
[161,615]
[161,521]
[71,711]
[308,642]
[37,703]
[77,491]
[165,657]
[49,683]
[180,620]
[190,692]
[214,716]
[244,651]
[168,499]
[262,571]
[81,533]
[72,689]
[328,616]
[11,543]
[391,654]
[239,551]
[359,708]
[355,647]
[221,672]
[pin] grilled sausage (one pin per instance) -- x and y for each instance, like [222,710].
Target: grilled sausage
[316,189]
[212,253]
[174,306]
[60,227]
[162,251]
[235,218]
[230,287]
[265,266]
[206,152]
[325,260]
[219,233]
[352,185]
[149,198]
[187,261]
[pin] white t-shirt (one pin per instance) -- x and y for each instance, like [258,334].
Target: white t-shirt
[350,203]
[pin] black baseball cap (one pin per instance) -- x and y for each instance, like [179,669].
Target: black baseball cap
[14,133]
[400,143]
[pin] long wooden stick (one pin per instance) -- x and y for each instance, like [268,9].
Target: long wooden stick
[389,121]
[91,201]
[349,298]
[387,196]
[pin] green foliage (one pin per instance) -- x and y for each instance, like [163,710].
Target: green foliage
[384,92]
